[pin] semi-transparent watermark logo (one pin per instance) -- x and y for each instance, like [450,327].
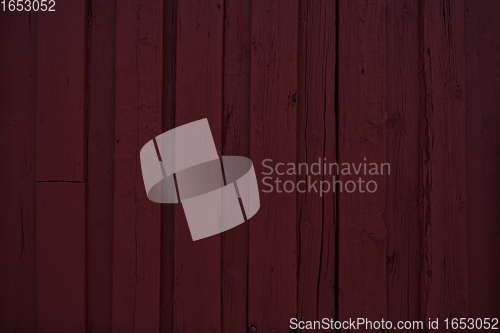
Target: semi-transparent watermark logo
[217,194]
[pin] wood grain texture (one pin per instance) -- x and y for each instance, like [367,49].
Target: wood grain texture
[316,130]
[61,100]
[138,119]
[235,142]
[483,151]
[101,138]
[199,90]
[403,153]
[61,169]
[60,257]
[17,172]
[82,248]
[444,272]
[273,134]
[362,134]
[168,211]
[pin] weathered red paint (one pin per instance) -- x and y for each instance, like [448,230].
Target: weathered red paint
[199,93]
[101,144]
[362,134]
[138,118]
[316,131]
[412,83]
[17,172]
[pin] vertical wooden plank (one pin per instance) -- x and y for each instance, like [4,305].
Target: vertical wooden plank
[316,140]
[168,210]
[197,265]
[60,170]
[138,119]
[60,257]
[444,270]
[362,134]
[61,116]
[101,138]
[483,156]
[234,242]
[273,134]
[403,153]
[17,172]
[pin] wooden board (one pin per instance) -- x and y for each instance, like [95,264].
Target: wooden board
[61,99]
[60,257]
[443,187]
[316,131]
[197,266]
[402,211]
[17,172]
[235,141]
[101,139]
[412,83]
[483,151]
[138,119]
[61,169]
[168,210]
[272,272]
[362,134]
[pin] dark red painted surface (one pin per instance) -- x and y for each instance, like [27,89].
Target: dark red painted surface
[482,47]
[136,256]
[198,94]
[362,126]
[413,83]
[17,172]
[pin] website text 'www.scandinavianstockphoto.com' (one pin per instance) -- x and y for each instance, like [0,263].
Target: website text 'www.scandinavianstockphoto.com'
[322,176]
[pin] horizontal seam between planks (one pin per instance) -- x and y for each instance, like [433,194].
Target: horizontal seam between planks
[61,181]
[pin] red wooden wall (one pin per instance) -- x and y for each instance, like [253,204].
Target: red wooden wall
[413,83]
